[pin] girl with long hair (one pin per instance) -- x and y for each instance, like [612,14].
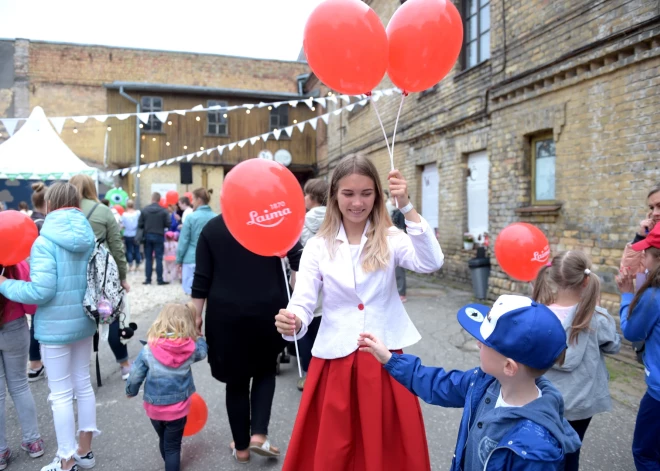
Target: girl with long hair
[352,411]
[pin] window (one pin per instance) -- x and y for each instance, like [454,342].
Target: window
[543,170]
[151,104]
[477,32]
[279,118]
[216,121]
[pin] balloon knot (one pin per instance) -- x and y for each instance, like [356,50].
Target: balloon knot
[404,93]
[368,93]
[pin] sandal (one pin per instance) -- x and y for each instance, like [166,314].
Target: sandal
[265,449]
[232,447]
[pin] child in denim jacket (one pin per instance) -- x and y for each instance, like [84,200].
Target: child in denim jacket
[165,365]
[513,418]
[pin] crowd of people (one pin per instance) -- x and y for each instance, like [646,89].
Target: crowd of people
[528,405]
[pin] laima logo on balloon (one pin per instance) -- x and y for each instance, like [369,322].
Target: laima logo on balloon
[270,218]
[542,257]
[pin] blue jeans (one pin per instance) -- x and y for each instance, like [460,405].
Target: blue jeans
[170,434]
[155,243]
[646,440]
[132,250]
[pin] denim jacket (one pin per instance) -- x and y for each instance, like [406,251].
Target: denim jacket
[165,383]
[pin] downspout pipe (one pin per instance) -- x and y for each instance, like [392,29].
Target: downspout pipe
[137,142]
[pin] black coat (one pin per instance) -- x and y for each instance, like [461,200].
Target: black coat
[244,292]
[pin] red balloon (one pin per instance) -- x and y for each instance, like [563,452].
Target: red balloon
[263,206]
[521,250]
[172,197]
[346,46]
[119,208]
[197,416]
[163,202]
[425,38]
[17,233]
[189,195]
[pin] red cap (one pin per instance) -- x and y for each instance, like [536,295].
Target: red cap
[652,240]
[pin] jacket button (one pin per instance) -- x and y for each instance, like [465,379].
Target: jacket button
[488,400]
[361,307]
[480,425]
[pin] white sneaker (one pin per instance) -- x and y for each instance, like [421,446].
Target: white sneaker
[86,462]
[56,465]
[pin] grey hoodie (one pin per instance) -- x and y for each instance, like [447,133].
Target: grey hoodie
[313,220]
[583,378]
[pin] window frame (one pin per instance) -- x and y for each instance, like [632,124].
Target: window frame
[220,118]
[533,141]
[148,126]
[276,111]
[466,31]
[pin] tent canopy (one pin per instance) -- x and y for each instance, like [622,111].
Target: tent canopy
[36,152]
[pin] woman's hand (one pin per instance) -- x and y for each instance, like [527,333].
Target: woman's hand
[126,286]
[369,343]
[625,281]
[2,279]
[646,225]
[286,321]
[398,188]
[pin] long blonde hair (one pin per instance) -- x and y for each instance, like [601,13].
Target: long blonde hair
[376,253]
[568,271]
[86,186]
[175,321]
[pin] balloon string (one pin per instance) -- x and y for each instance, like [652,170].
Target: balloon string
[295,337]
[3,271]
[396,124]
[387,143]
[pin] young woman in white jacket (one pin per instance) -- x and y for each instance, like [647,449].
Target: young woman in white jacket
[353,415]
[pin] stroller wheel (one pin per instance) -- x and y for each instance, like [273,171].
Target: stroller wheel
[277,367]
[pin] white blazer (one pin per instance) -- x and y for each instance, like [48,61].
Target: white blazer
[355,301]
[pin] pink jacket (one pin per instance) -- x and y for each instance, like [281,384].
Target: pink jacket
[14,310]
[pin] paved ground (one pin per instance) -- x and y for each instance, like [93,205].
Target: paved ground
[129,442]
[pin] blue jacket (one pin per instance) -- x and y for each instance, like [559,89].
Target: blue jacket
[58,270]
[192,228]
[644,324]
[537,438]
[166,368]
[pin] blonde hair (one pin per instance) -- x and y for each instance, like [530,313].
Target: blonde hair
[62,195]
[568,271]
[174,321]
[376,253]
[86,186]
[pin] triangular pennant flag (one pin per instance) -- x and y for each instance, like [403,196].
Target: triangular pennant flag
[325,117]
[350,107]
[289,130]
[57,175]
[142,168]
[232,108]
[43,176]
[301,126]
[10,125]
[116,172]
[125,171]
[254,139]
[198,107]
[208,151]
[321,101]
[264,137]
[144,117]
[198,154]
[249,106]
[108,175]
[276,104]
[215,107]
[160,163]
[27,175]
[310,103]
[80,119]
[332,98]
[293,103]
[122,116]
[180,158]
[181,112]
[276,134]
[169,161]
[388,92]
[338,112]
[151,165]
[66,176]
[189,157]
[376,96]
[363,102]
[261,105]
[220,149]
[231,146]
[346,98]
[242,143]
[162,116]
[101,117]
[58,124]
[313,122]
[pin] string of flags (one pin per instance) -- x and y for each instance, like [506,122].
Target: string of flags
[313,122]
[58,122]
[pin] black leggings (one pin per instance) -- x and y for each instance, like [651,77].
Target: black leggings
[573,459]
[249,411]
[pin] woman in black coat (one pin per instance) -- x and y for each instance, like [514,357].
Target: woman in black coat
[242,291]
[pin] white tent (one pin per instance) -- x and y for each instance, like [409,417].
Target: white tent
[36,152]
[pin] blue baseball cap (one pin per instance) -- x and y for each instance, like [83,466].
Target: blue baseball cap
[518,328]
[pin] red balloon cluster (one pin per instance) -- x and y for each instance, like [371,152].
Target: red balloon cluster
[172,197]
[266,218]
[17,233]
[349,50]
[521,250]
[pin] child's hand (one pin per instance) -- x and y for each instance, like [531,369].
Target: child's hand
[625,281]
[369,343]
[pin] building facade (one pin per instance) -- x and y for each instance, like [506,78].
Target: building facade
[549,117]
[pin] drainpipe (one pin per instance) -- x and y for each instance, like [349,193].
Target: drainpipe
[137,143]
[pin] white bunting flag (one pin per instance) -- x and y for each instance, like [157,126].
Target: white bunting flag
[325,117]
[310,103]
[122,116]
[181,112]
[116,172]
[58,124]
[333,99]
[189,157]
[160,163]
[231,146]
[376,96]
[220,149]
[313,122]
[249,106]
[254,139]
[162,116]
[350,107]
[301,126]
[208,151]
[125,171]
[363,102]
[169,161]
[10,125]
[289,130]
[80,119]
[242,143]
[276,134]
[276,104]
[337,112]
[198,154]
[152,165]
[388,92]
[101,118]
[321,101]
[293,103]
[133,169]
[262,105]
[143,167]
[180,158]
[215,107]
[144,117]
[264,137]
[346,98]
[198,107]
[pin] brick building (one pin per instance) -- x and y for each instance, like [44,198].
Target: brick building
[71,79]
[549,117]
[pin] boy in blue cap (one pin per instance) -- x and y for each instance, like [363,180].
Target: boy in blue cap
[513,418]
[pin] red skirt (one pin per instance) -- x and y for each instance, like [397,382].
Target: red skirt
[354,416]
